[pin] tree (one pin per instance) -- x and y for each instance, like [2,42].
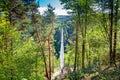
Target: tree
[111,31]
[115,30]
[76,8]
[33,10]
[10,8]
[49,18]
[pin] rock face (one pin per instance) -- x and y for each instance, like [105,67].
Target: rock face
[62,51]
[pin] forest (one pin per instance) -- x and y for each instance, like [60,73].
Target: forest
[82,45]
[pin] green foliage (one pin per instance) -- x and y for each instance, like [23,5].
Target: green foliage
[76,75]
[21,61]
[108,75]
[23,55]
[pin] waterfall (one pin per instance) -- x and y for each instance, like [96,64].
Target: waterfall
[62,50]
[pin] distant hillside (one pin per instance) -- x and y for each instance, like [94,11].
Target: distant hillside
[62,18]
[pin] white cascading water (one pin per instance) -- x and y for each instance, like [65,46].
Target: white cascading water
[62,50]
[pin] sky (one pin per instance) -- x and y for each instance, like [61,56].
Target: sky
[55,3]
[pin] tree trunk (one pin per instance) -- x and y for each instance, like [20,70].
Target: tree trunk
[45,64]
[38,36]
[49,58]
[83,47]
[76,47]
[111,33]
[11,39]
[115,32]
[52,60]
[84,38]
[36,29]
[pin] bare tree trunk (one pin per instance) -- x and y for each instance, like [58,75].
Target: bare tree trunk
[83,50]
[43,54]
[52,60]
[36,29]
[84,37]
[111,32]
[115,32]
[76,46]
[49,57]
